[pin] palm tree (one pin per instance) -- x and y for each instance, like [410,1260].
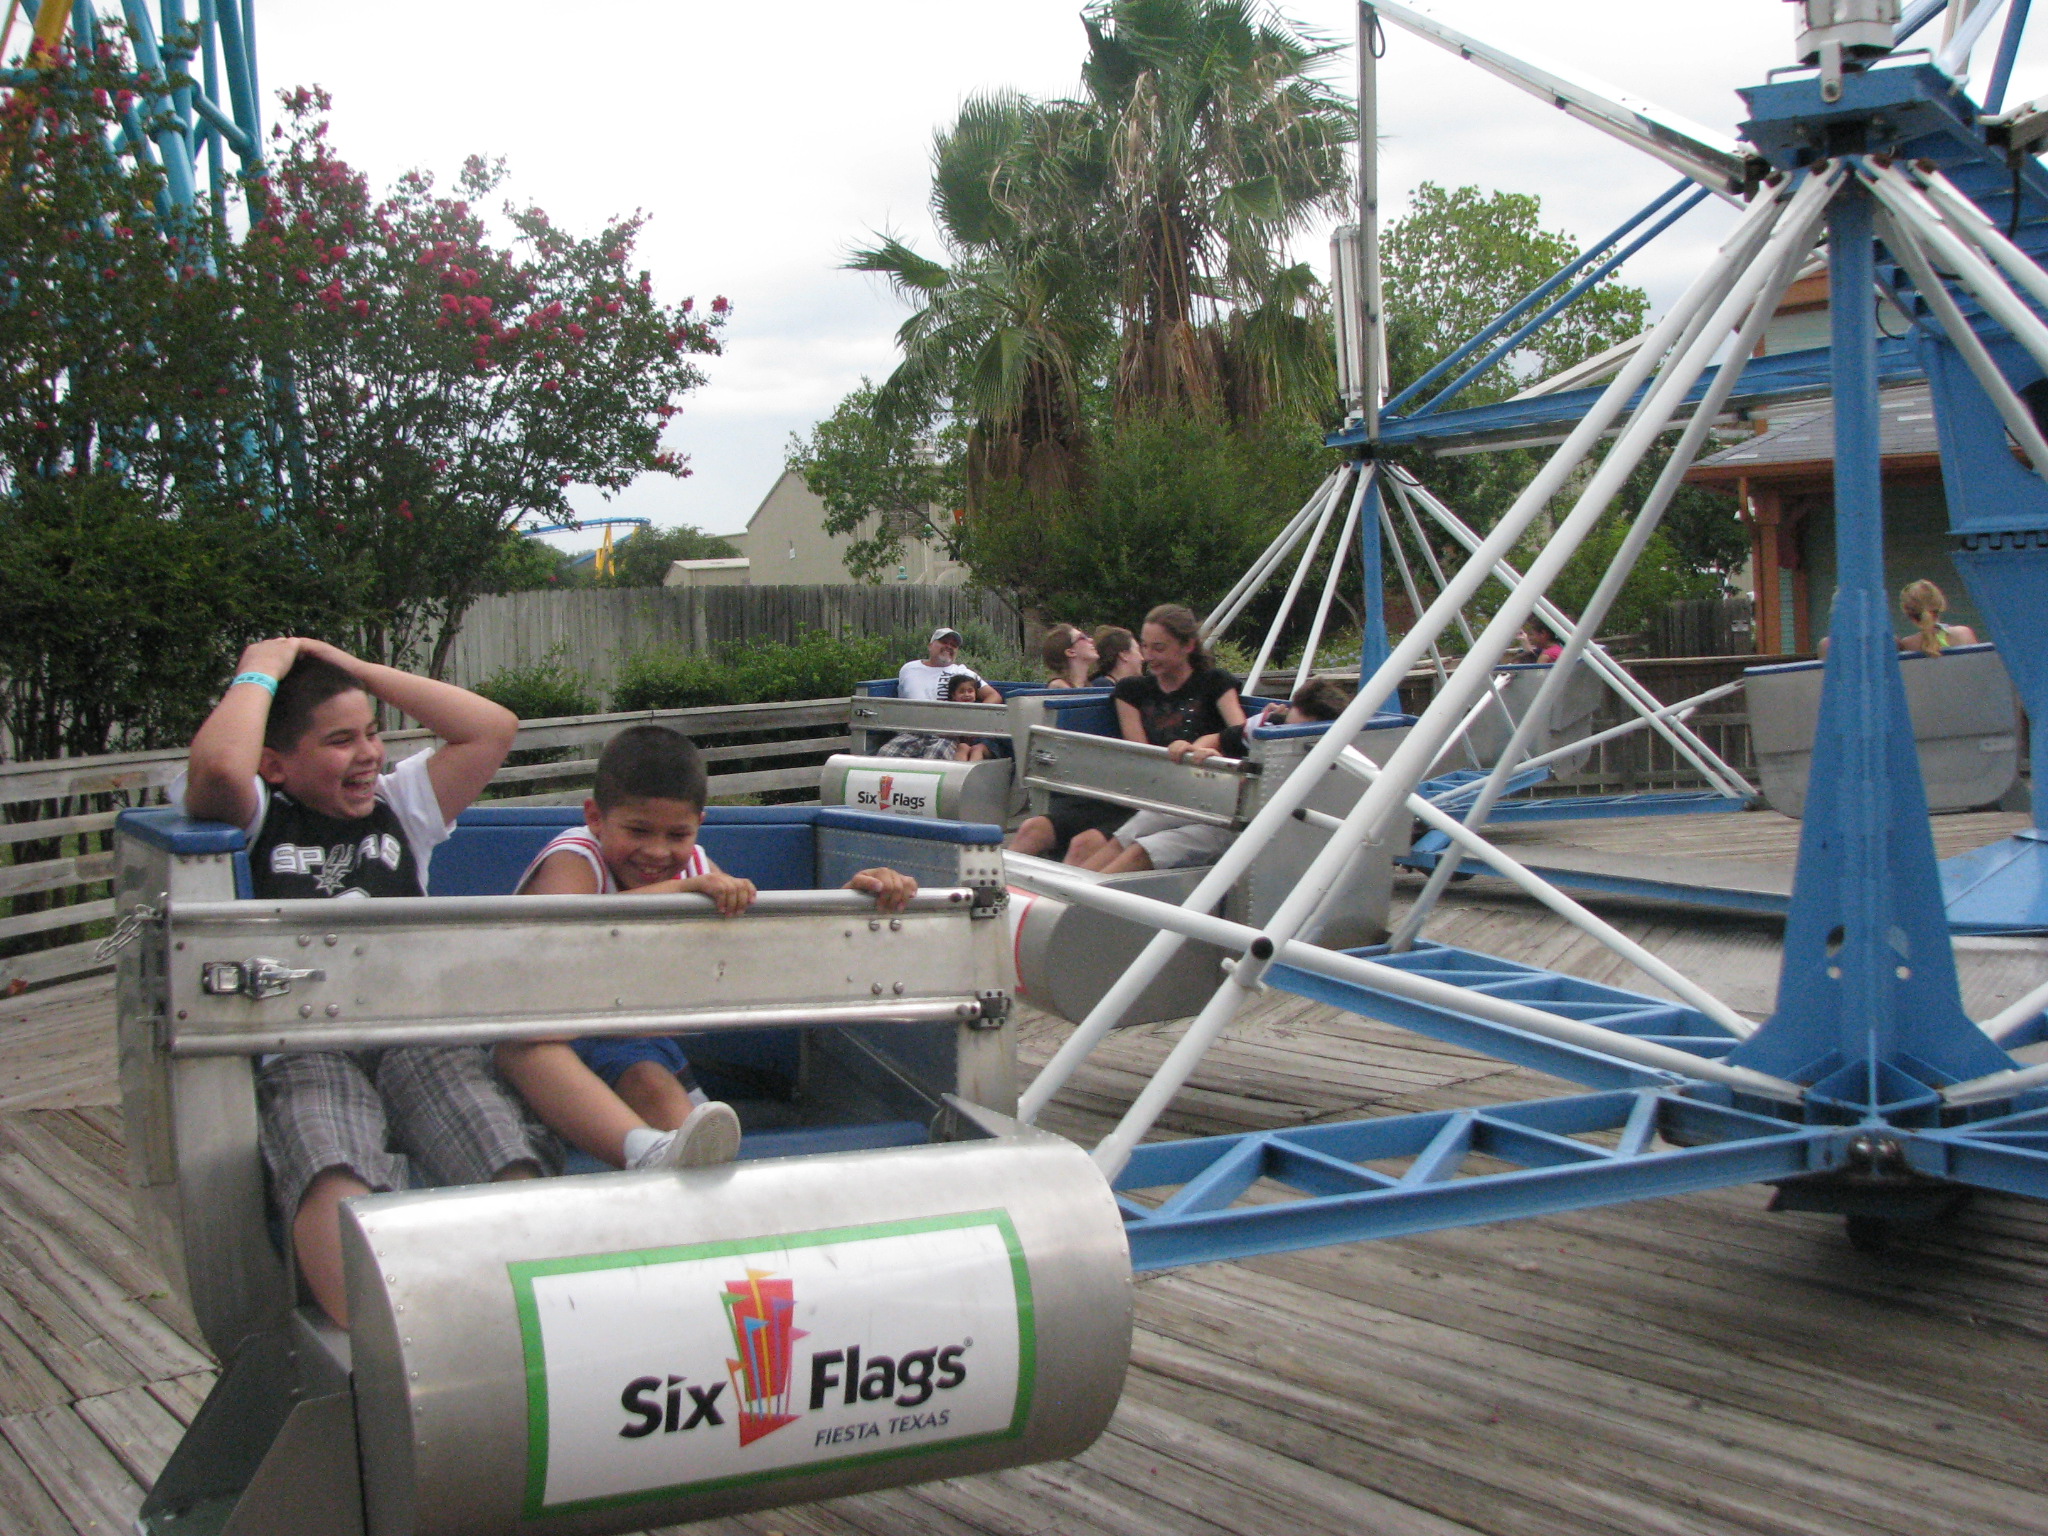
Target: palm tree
[1222,143]
[1010,334]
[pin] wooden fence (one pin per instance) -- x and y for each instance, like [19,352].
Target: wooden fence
[593,629]
[57,839]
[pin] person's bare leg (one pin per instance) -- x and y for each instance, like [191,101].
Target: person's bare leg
[570,1099]
[316,1238]
[1086,846]
[656,1095]
[1127,861]
[1034,835]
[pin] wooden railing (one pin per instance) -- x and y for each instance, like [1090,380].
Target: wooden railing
[57,837]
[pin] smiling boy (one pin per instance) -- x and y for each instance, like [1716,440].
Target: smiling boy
[632,1101]
[293,756]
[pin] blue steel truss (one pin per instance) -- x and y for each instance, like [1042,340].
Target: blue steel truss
[1869,1029]
[198,98]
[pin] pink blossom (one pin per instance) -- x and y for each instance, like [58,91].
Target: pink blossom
[552,386]
[720,305]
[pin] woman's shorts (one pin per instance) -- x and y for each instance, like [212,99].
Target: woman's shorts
[1171,843]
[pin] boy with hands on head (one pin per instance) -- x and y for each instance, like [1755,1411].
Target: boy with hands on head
[633,1101]
[293,756]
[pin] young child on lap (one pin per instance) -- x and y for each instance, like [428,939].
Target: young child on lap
[292,755]
[632,1101]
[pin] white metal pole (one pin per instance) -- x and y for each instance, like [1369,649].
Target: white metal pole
[1309,547]
[1611,582]
[1736,253]
[1374,329]
[1225,613]
[1412,758]
[1683,987]
[1682,710]
[1337,554]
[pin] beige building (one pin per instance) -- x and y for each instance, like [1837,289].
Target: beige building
[785,544]
[706,573]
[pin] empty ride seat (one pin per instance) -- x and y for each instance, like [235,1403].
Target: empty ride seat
[1965,726]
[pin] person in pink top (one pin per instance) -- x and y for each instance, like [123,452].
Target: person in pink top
[632,1101]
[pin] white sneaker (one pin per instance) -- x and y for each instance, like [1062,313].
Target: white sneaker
[711,1135]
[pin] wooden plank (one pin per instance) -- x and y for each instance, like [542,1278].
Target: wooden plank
[12,832]
[76,1469]
[55,874]
[66,962]
[137,1428]
[62,778]
[26,1508]
[183,1395]
[56,917]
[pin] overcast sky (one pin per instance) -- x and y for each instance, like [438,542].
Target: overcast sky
[765,141]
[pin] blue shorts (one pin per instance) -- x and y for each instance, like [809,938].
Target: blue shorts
[609,1056]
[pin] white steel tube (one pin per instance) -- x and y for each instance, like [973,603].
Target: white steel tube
[1710,764]
[1422,989]
[1281,614]
[1225,613]
[1683,709]
[1971,268]
[1436,569]
[1614,578]
[1995,1085]
[1374,329]
[1967,218]
[1688,322]
[1534,885]
[1736,253]
[2010,1018]
[2018,421]
[1337,554]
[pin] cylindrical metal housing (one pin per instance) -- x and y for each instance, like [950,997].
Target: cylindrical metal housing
[630,1350]
[922,787]
[1862,28]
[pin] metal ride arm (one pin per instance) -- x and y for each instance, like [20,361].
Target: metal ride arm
[1611,582]
[1215,792]
[1685,320]
[929,717]
[1309,547]
[1714,162]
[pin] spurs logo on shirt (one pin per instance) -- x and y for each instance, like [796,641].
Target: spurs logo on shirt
[333,866]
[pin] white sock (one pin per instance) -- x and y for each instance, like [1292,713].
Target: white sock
[638,1141]
[698,1096]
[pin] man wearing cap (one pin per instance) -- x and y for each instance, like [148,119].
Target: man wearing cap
[927,679]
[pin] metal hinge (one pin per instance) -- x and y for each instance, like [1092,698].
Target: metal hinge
[995,1011]
[258,978]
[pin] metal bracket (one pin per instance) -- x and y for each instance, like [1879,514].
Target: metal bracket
[995,1011]
[258,978]
[990,900]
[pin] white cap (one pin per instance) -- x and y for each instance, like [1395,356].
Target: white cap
[942,632]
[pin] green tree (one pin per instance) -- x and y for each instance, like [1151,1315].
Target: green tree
[443,386]
[643,557]
[133,502]
[887,477]
[1223,142]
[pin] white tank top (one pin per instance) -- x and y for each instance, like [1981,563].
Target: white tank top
[582,842]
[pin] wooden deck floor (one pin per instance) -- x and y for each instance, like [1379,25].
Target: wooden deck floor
[1689,1366]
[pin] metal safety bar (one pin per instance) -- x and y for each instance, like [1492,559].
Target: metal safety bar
[1215,792]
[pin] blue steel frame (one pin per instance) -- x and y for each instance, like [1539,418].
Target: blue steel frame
[186,120]
[1869,1025]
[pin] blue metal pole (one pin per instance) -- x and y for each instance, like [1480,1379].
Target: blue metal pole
[171,143]
[1868,1006]
[209,63]
[1372,640]
[2008,51]
[1535,295]
[1552,311]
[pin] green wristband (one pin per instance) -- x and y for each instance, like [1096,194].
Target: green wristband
[262,680]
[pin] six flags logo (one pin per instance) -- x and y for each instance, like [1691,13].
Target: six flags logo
[761,1312]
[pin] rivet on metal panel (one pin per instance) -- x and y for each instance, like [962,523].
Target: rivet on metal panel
[874,925]
[181,1013]
[895,925]
[359,949]
[876,988]
[305,1010]
[899,989]
[330,940]
[618,1002]
[305,941]
[615,933]
[334,1010]
[179,945]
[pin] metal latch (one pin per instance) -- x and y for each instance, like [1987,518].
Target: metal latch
[257,978]
[990,900]
[1044,756]
[860,712]
[995,1010]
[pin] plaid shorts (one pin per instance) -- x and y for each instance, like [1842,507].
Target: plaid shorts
[375,1113]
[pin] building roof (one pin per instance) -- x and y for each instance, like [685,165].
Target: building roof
[1806,446]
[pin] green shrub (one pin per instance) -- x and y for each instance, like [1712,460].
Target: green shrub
[818,666]
[548,689]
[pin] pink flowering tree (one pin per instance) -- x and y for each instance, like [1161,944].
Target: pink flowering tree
[436,386]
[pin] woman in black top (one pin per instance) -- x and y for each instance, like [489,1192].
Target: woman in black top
[1182,697]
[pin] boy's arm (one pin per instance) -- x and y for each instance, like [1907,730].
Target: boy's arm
[562,873]
[476,733]
[220,779]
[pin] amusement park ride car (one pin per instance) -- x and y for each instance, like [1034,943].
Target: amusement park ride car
[904,1279]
